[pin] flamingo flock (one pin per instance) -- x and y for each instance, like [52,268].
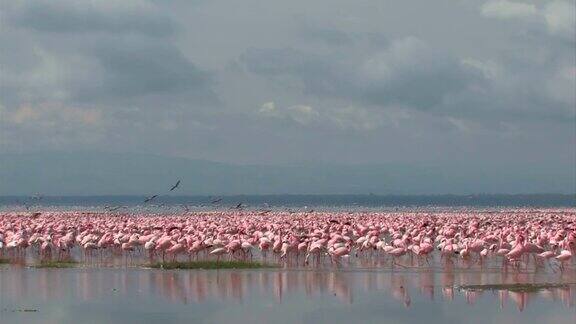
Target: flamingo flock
[516,238]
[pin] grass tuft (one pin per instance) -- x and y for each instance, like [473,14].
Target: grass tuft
[4,261]
[517,287]
[57,264]
[211,265]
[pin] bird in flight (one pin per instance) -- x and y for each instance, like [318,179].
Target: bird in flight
[175,186]
[149,199]
[215,201]
[238,206]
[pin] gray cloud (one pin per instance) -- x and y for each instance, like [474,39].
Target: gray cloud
[313,32]
[75,69]
[412,74]
[403,80]
[407,73]
[132,67]
[74,16]
[557,17]
[102,52]
[508,9]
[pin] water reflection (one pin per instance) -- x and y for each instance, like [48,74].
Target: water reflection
[186,287]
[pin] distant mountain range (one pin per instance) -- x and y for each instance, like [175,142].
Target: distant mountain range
[89,173]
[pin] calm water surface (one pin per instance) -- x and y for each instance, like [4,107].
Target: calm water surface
[115,295]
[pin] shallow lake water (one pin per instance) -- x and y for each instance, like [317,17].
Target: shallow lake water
[136,295]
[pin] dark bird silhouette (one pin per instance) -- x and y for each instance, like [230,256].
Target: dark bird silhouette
[238,206]
[215,201]
[175,186]
[149,199]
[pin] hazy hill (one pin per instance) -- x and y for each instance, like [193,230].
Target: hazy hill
[87,173]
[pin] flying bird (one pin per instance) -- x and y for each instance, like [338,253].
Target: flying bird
[175,186]
[238,206]
[149,199]
[215,201]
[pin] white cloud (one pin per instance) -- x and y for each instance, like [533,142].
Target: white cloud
[385,64]
[489,69]
[268,109]
[459,124]
[561,17]
[344,118]
[51,124]
[302,114]
[558,16]
[44,79]
[561,87]
[508,9]
[56,115]
[355,118]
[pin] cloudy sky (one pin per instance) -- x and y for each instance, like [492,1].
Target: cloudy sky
[281,82]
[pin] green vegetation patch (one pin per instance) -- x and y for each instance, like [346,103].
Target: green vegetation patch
[57,264]
[4,261]
[211,265]
[517,287]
